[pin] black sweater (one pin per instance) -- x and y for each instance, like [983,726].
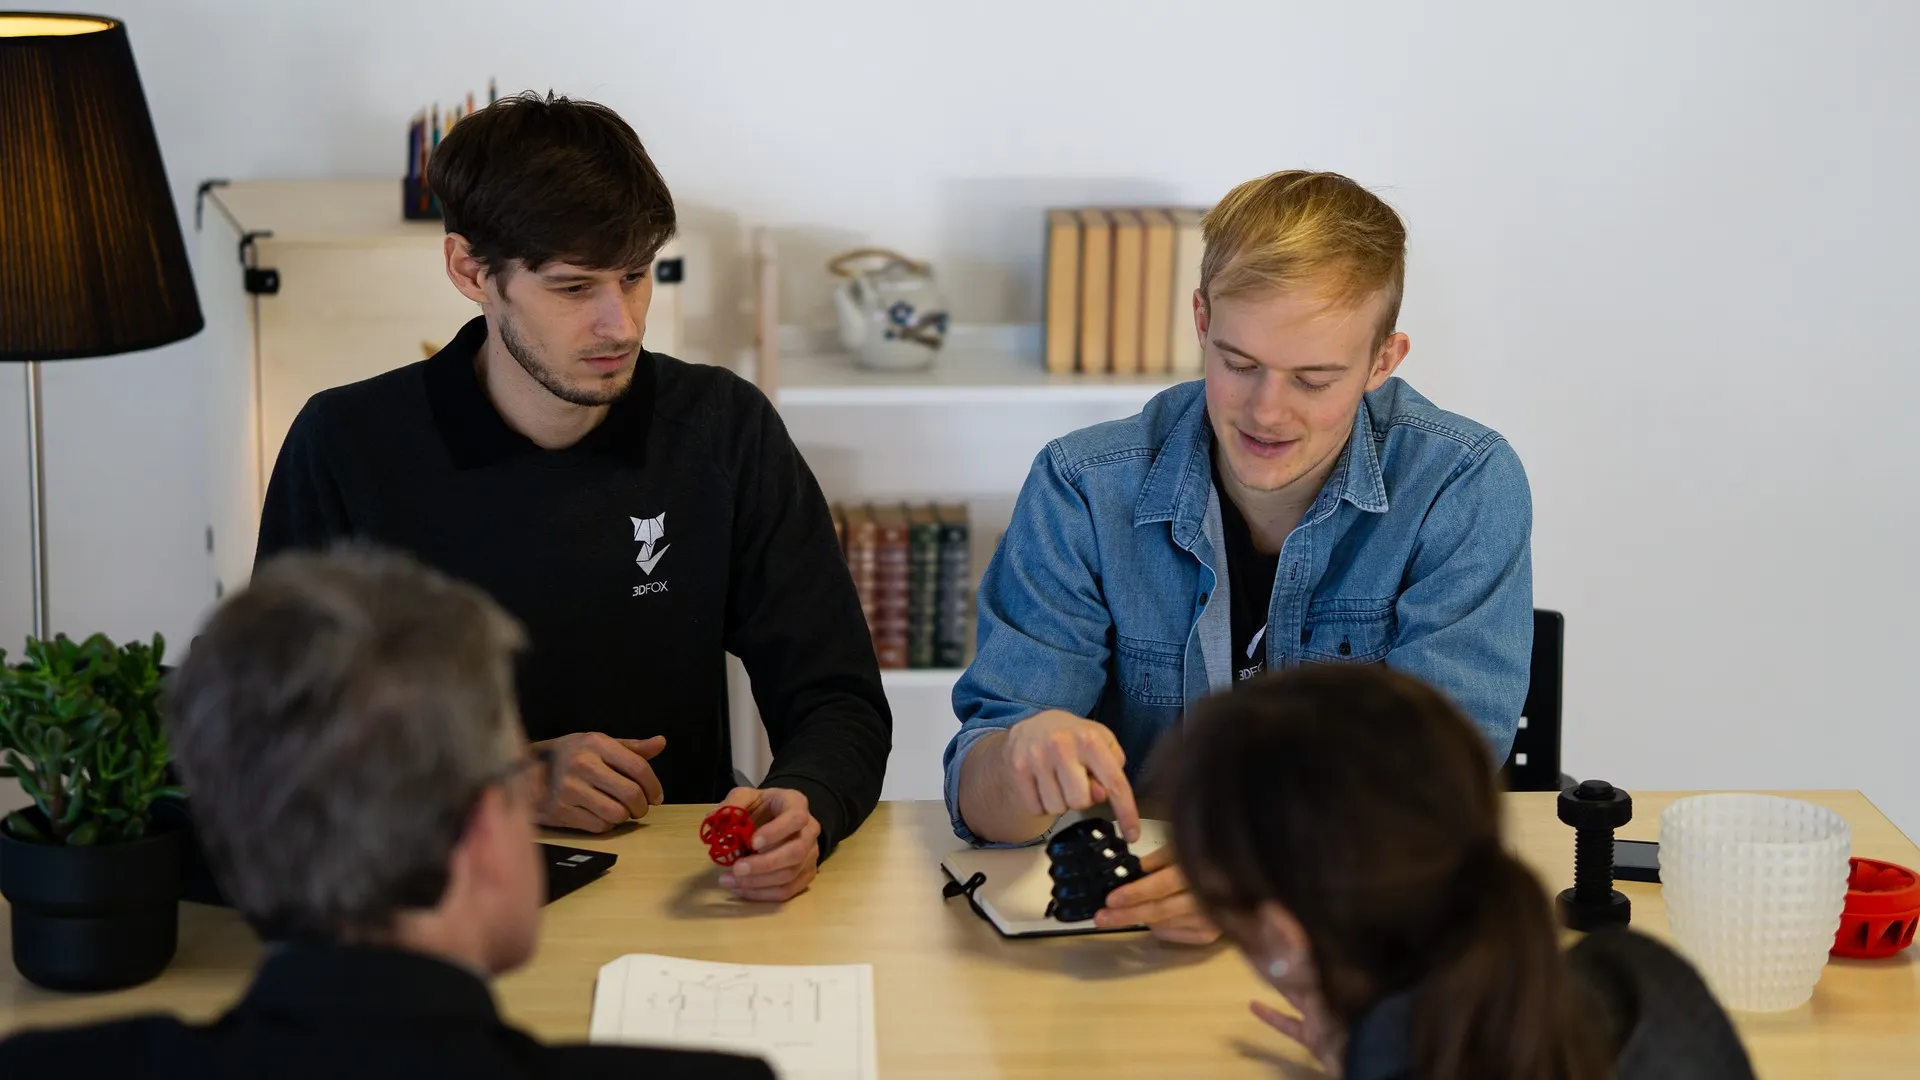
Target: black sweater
[683,527]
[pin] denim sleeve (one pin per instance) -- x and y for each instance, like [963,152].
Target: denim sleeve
[1466,614]
[1043,633]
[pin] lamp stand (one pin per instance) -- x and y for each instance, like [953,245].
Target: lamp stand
[37,502]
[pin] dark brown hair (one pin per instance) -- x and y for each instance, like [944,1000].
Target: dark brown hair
[534,179]
[1363,803]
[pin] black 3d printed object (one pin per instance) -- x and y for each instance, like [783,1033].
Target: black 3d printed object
[1090,859]
[1594,809]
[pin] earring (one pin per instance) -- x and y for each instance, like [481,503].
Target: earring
[1278,969]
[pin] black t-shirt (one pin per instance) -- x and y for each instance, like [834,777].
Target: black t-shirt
[1250,575]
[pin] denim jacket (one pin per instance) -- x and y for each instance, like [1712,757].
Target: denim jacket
[1108,594]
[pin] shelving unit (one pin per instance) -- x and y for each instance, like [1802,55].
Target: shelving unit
[981,365]
[966,430]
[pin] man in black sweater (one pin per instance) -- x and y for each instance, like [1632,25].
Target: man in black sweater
[641,516]
[366,798]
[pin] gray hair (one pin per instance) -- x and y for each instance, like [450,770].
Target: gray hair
[333,726]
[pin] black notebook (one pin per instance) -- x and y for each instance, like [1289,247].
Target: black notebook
[569,868]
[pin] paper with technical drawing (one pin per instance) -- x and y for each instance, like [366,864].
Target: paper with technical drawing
[809,1023]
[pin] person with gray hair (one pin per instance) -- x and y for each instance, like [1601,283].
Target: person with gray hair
[366,797]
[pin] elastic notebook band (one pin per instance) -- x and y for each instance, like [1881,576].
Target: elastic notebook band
[967,888]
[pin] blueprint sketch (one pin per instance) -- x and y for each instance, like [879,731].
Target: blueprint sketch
[810,1023]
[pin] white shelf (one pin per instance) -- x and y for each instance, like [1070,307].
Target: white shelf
[334,212]
[919,678]
[980,365]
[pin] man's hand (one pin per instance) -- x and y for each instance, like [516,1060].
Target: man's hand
[1057,762]
[786,845]
[601,781]
[1162,901]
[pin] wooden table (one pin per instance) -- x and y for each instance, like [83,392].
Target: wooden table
[954,999]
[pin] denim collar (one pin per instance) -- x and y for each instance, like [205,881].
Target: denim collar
[1182,474]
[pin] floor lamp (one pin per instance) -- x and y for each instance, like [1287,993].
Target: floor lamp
[91,258]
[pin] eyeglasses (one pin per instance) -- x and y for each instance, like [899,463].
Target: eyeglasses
[539,760]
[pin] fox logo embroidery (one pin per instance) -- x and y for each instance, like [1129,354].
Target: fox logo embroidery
[648,531]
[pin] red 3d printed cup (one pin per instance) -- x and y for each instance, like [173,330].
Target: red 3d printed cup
[1883,904]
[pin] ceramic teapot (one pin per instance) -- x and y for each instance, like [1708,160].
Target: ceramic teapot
[892,316]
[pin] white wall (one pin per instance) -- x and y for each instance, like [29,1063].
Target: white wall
[1664,246]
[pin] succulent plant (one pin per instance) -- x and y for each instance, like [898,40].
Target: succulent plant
[80,728]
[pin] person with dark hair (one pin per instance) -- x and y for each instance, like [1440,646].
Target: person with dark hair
[643,517]
[1340,825]
[366,798]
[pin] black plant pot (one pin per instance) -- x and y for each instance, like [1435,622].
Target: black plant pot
[92,918]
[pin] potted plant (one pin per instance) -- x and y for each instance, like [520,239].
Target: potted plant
[93,887]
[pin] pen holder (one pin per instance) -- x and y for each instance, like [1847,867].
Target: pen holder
[417,201]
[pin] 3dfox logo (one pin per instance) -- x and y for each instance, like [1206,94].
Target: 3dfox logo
[648,531]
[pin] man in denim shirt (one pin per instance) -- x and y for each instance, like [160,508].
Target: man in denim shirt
[1301,505]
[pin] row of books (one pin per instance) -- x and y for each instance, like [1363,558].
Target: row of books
[1120,286]
[913,569]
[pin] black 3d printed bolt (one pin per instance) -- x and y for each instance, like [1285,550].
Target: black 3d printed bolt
[1594,808]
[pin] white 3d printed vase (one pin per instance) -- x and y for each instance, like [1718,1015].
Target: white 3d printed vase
[1754,885]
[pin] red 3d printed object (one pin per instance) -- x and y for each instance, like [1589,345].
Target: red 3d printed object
[728,834]
[1883,904]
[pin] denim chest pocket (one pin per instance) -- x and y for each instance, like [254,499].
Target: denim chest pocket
[1347,631]
[1150,672]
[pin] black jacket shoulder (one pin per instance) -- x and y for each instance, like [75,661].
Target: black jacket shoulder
[135,1047]
[1661,1021]
[629,1063]
[1654,1017]
[163,1048]
[317,1010]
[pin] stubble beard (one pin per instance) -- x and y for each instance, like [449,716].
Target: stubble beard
[603,393]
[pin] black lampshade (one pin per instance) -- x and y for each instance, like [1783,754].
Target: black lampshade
[91,258]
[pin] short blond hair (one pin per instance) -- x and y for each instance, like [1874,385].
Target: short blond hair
[1306,230]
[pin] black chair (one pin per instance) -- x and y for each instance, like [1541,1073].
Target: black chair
[1534,763]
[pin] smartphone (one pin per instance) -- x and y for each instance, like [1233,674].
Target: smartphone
[1636,860]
